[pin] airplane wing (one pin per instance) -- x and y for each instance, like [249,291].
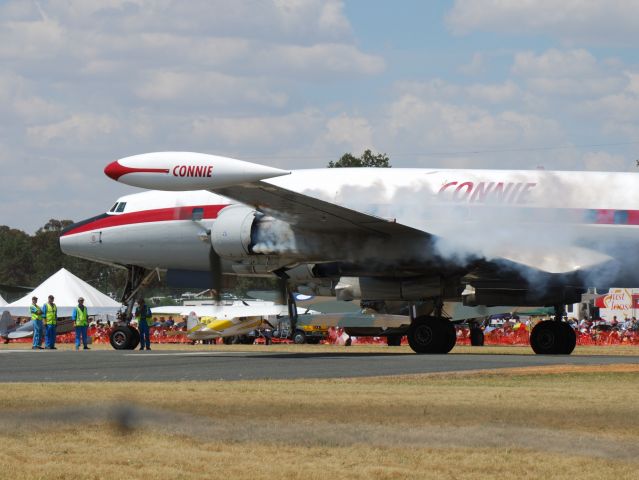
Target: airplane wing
[311,213]
[314,214]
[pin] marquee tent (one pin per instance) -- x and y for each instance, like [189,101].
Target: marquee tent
[66,288]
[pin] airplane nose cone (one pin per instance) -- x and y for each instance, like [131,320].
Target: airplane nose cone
[114,170]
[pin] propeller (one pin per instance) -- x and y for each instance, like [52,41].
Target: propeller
[282,286]
[286,296]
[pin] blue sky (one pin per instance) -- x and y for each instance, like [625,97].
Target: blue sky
[295,84]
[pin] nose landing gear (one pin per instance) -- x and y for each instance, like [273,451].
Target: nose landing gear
[124,336]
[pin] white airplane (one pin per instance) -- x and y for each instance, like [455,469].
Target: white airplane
[424,236]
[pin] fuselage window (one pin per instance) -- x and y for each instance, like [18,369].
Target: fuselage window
[120,208]
[115,205]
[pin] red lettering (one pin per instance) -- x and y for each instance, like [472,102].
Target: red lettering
[210,169]
[481,191]
[468,186]
[189,170]
[174,171]
[447,185]
[182,170]
[501,192]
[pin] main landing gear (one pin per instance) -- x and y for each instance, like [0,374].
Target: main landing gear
[431,335]
[553,337]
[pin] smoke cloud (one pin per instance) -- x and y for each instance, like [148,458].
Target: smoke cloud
[541,224]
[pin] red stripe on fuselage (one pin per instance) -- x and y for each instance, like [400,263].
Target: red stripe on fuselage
[147,216]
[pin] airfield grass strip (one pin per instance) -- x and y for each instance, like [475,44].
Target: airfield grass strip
[557,421]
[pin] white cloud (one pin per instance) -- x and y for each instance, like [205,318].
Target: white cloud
[352,133]
[482,93]
[78,129]
[604,161]
[567,72]
[206,89]
[574,21]
[475,66]
[435,124]
[261,131]
[493,93]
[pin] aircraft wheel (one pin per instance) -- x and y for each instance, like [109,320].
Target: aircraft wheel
[299,337]
[431,335]
[476,337]
[135,338]
[394,340]
[551,338]
[570,338]
[121,337]
[450,335]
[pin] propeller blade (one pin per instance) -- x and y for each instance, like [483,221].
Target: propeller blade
[215,267]
[282,287]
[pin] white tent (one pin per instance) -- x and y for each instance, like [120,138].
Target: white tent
[66,288]
[3,302]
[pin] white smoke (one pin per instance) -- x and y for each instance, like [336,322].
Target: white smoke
[551,234]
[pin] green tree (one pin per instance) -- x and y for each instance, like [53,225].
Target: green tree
[367,159]
[16,261]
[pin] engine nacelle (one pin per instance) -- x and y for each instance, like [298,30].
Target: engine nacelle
[231,232]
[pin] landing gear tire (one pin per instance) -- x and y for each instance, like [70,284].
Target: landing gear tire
[570,339]
[476,337]
[394,340]
[431,335]
[299,337]
[135,339]
[551,337]
[124,338]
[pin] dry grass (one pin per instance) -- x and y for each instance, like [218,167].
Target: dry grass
[559,422]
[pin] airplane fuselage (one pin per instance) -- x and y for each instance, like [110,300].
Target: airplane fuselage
[466,207]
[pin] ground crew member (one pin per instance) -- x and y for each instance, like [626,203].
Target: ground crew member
[144,318]
[81,319]
[50,312]
[36,316]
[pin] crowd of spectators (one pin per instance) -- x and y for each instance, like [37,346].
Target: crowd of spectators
[516,331]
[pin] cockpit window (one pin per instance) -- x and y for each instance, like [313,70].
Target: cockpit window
[121,207]
[115,205]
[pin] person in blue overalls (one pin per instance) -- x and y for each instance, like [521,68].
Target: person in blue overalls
[36,316]
[81,319]
[144,318]
[50,312]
